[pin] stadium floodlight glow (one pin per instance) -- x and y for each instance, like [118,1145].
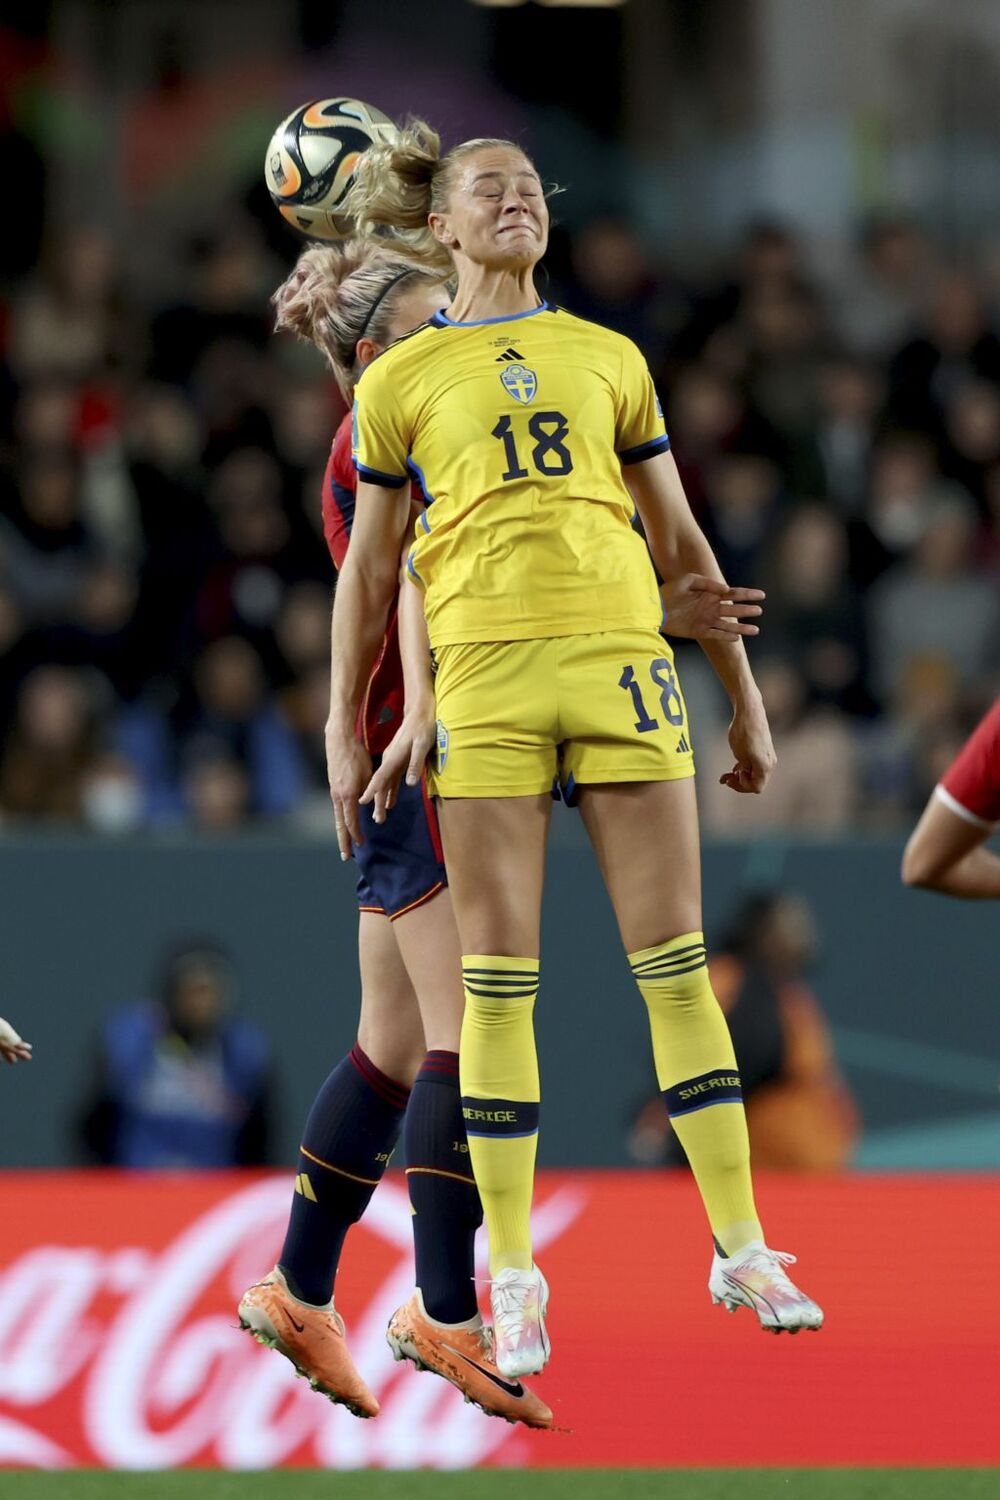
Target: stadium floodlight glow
[553,4]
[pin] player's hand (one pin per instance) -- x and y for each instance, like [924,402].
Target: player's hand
[348,769]
[751,744]
[707,609]
[12,1048]
[404,756]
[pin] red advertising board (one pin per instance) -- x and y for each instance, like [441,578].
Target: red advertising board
[118,1341]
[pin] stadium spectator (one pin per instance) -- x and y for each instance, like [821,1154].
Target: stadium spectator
[818,789]
[112,795]
[880,298]
[972,431]
[51,748]
[907,488]
[226,716]
[956,344]
[814,616]
[47,548]
[615,285]
[180,1080]
[215,791]
[924,710]
[836,461]
[800,1112]
[70,322]
[746,503]
[936,604]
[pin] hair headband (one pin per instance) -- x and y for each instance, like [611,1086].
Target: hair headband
[381,298]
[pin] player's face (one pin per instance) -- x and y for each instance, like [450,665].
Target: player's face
[416,307]
[497,215]
[411,308]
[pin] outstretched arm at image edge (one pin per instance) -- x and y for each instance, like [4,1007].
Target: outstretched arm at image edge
[945,853]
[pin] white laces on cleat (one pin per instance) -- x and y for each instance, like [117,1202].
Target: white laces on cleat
[772,1263]
[765,1259]
[510,1294]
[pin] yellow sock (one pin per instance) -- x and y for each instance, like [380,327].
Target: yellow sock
[498,1072]
[697,1073]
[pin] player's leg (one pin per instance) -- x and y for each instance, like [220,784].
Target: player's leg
[657,901]
[496,758]
[439,1328]
[349,1137]
[645,836]
[443,1193]
[405,874]
[354,1123]
[495,852]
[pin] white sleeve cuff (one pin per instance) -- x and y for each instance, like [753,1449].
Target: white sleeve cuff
[956,807]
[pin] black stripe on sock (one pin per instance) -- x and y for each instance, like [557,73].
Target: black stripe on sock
[720,1087]
[499,1117]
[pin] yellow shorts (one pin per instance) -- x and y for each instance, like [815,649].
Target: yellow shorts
[521,717]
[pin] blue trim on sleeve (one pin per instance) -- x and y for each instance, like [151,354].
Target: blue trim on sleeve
[413,572]
[375,476]
[441,321]
[343,499]
[417,473]
[644,450]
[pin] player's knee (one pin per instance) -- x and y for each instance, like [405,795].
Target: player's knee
[398,1055]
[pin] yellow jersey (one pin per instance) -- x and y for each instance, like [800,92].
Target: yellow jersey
[517,429]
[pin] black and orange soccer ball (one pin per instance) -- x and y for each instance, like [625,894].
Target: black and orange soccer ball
[311,159]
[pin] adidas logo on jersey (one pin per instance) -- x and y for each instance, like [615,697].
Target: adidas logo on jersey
[509,353]
[682,745]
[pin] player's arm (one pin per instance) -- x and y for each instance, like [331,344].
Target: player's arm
[701,608]
[414,739]
[679,548]
[12,1048]
[365,590]
[945,853]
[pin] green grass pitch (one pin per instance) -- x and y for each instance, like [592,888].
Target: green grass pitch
[556,1484]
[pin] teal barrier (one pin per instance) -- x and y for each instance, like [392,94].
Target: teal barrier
[909,982]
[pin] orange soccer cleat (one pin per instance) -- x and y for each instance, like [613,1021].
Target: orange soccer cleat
[312,1338]
[463,1354]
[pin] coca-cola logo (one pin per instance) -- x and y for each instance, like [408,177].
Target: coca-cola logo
[130,1358]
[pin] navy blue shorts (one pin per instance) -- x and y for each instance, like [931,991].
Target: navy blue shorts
[401,862]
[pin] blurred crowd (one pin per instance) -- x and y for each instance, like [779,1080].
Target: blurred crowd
[165,589]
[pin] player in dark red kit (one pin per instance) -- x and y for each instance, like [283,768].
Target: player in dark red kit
[352,301]
[945,851]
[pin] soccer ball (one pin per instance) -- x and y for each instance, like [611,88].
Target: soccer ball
[311,160]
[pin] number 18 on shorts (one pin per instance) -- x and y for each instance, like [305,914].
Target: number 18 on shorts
[517,717]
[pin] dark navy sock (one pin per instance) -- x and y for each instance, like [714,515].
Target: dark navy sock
[443,1194]
[349,1137]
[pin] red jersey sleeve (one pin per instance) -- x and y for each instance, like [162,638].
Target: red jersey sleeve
[971,784]
[382,707]
[339,486]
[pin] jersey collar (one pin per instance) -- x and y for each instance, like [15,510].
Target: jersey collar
[440,321]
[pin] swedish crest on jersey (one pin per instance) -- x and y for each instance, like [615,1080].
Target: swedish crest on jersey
[520,382]
[443,739]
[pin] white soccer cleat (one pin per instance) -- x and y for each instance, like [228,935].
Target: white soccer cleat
[520,1300]
[755,1278]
